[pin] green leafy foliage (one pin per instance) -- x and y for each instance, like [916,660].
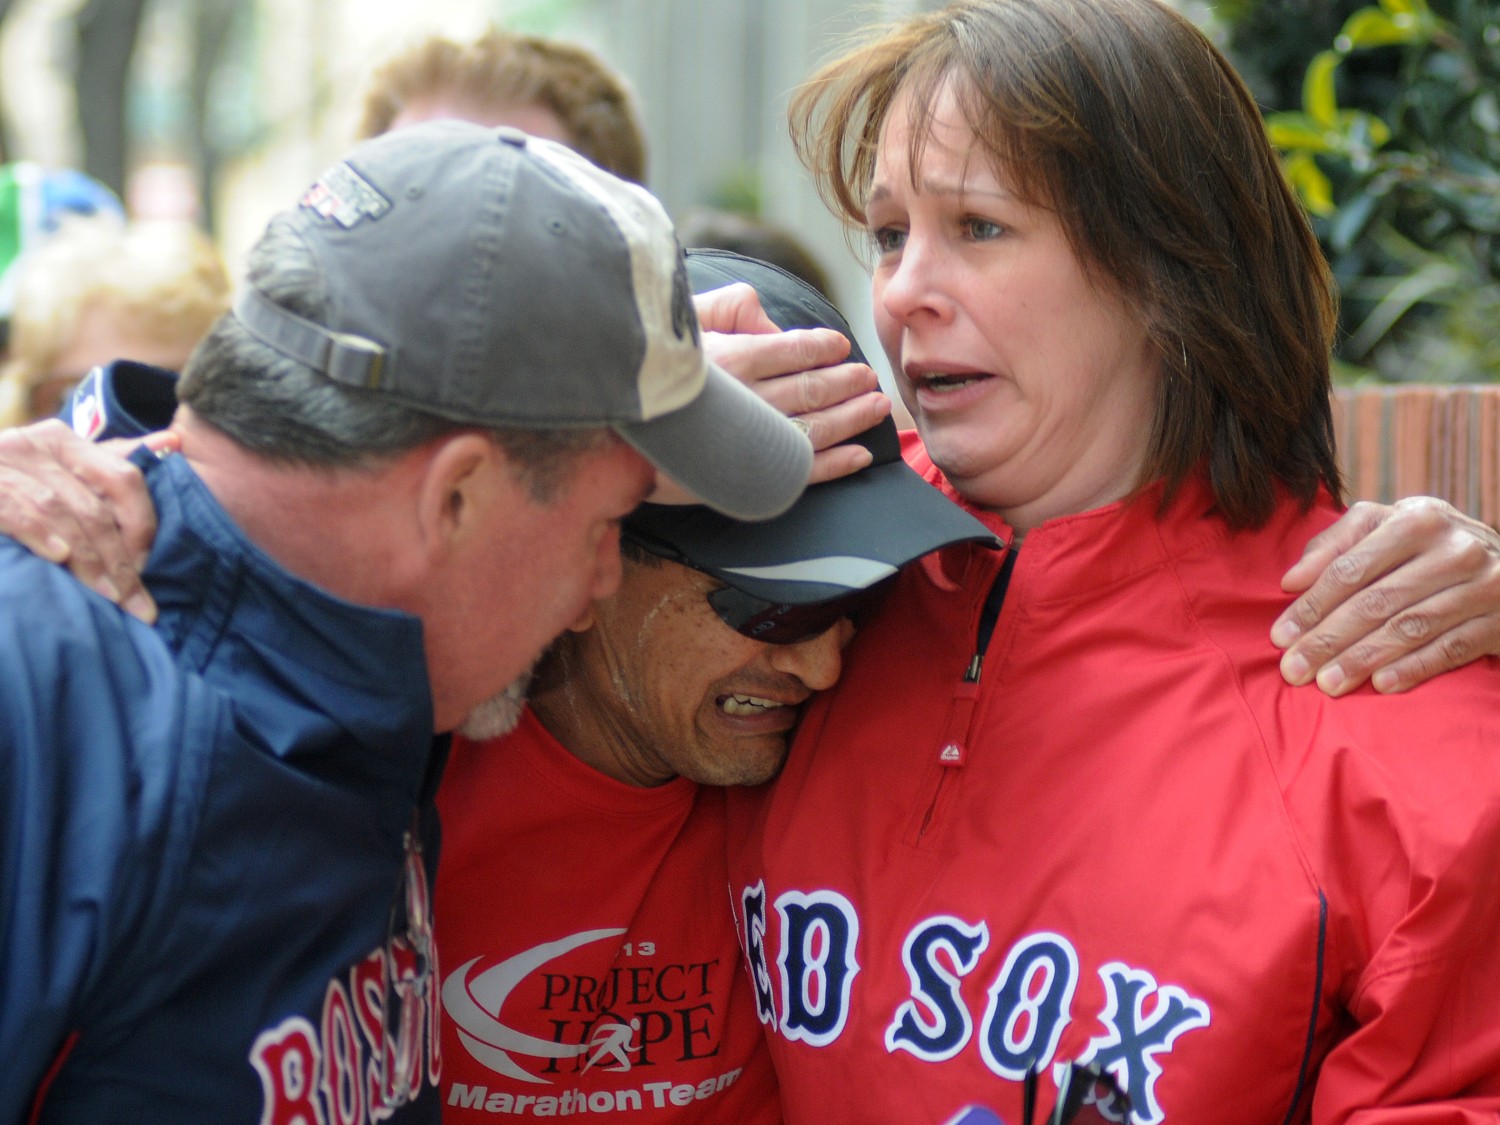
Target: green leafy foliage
[1392,139]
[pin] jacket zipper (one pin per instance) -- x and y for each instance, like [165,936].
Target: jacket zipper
[953,745]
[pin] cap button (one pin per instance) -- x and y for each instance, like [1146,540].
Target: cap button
[511,135]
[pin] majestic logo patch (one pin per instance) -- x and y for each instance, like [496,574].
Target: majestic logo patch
[346,197]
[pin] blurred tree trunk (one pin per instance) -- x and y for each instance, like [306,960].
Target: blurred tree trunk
[105,32]
[5,153]
[213,22]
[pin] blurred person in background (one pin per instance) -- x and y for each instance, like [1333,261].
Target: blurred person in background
[755,238]
[101,290]
[547,87]
[556,89]
[33,203]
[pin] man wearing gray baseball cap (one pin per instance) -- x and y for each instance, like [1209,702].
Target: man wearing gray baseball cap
[403,459]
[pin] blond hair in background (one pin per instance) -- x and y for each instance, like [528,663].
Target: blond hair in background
[102,290]
[500,73]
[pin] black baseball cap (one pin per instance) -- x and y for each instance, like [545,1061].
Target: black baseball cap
[841,536]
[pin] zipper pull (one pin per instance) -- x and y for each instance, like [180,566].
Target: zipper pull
[953,750]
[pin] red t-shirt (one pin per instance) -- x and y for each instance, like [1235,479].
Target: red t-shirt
[589,958]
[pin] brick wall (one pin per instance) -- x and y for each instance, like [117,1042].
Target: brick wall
[1407,440]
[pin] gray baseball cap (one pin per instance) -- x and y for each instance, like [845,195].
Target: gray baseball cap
[842,536]
[501,280]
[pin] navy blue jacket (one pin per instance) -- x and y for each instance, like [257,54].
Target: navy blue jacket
[205,874]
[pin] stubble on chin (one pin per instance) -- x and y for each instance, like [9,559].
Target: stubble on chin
[499,714]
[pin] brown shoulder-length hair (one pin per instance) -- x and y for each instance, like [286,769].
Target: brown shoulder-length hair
[1126,121]
[503,69]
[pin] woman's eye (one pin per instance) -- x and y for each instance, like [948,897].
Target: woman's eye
[887,239]
[981,230]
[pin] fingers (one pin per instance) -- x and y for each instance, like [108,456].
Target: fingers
[840,461]
[1408,591]
[734,308]
[163,442]
[74,503]
[829,426]
[1361,519]
[1374,540]
[1396,650]
[1453,649]
[833,425]
[802,374]
[808,394]
[124,491]
[826,429]
[758,359]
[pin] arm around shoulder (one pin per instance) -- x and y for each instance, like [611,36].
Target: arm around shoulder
[1396,594]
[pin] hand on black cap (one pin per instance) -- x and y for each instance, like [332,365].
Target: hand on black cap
[800,372]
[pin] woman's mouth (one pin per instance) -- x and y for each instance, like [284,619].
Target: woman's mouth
[946,380]
[935,388]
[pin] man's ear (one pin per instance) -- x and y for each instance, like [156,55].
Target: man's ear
[586,620]
[466,474]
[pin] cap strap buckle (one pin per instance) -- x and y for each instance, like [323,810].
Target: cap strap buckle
[342,356]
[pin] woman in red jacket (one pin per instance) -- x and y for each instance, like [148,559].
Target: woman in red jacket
[1063,806]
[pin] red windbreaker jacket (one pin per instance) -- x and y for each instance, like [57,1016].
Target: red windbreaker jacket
[1127,841]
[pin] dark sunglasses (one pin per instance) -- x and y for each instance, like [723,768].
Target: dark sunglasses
[777,623]
[774,623]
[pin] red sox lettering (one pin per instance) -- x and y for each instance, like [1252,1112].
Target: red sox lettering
[1028,1002]
[350,1069]
[377,1044]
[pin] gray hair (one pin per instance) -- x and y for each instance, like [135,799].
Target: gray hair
[285,411]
